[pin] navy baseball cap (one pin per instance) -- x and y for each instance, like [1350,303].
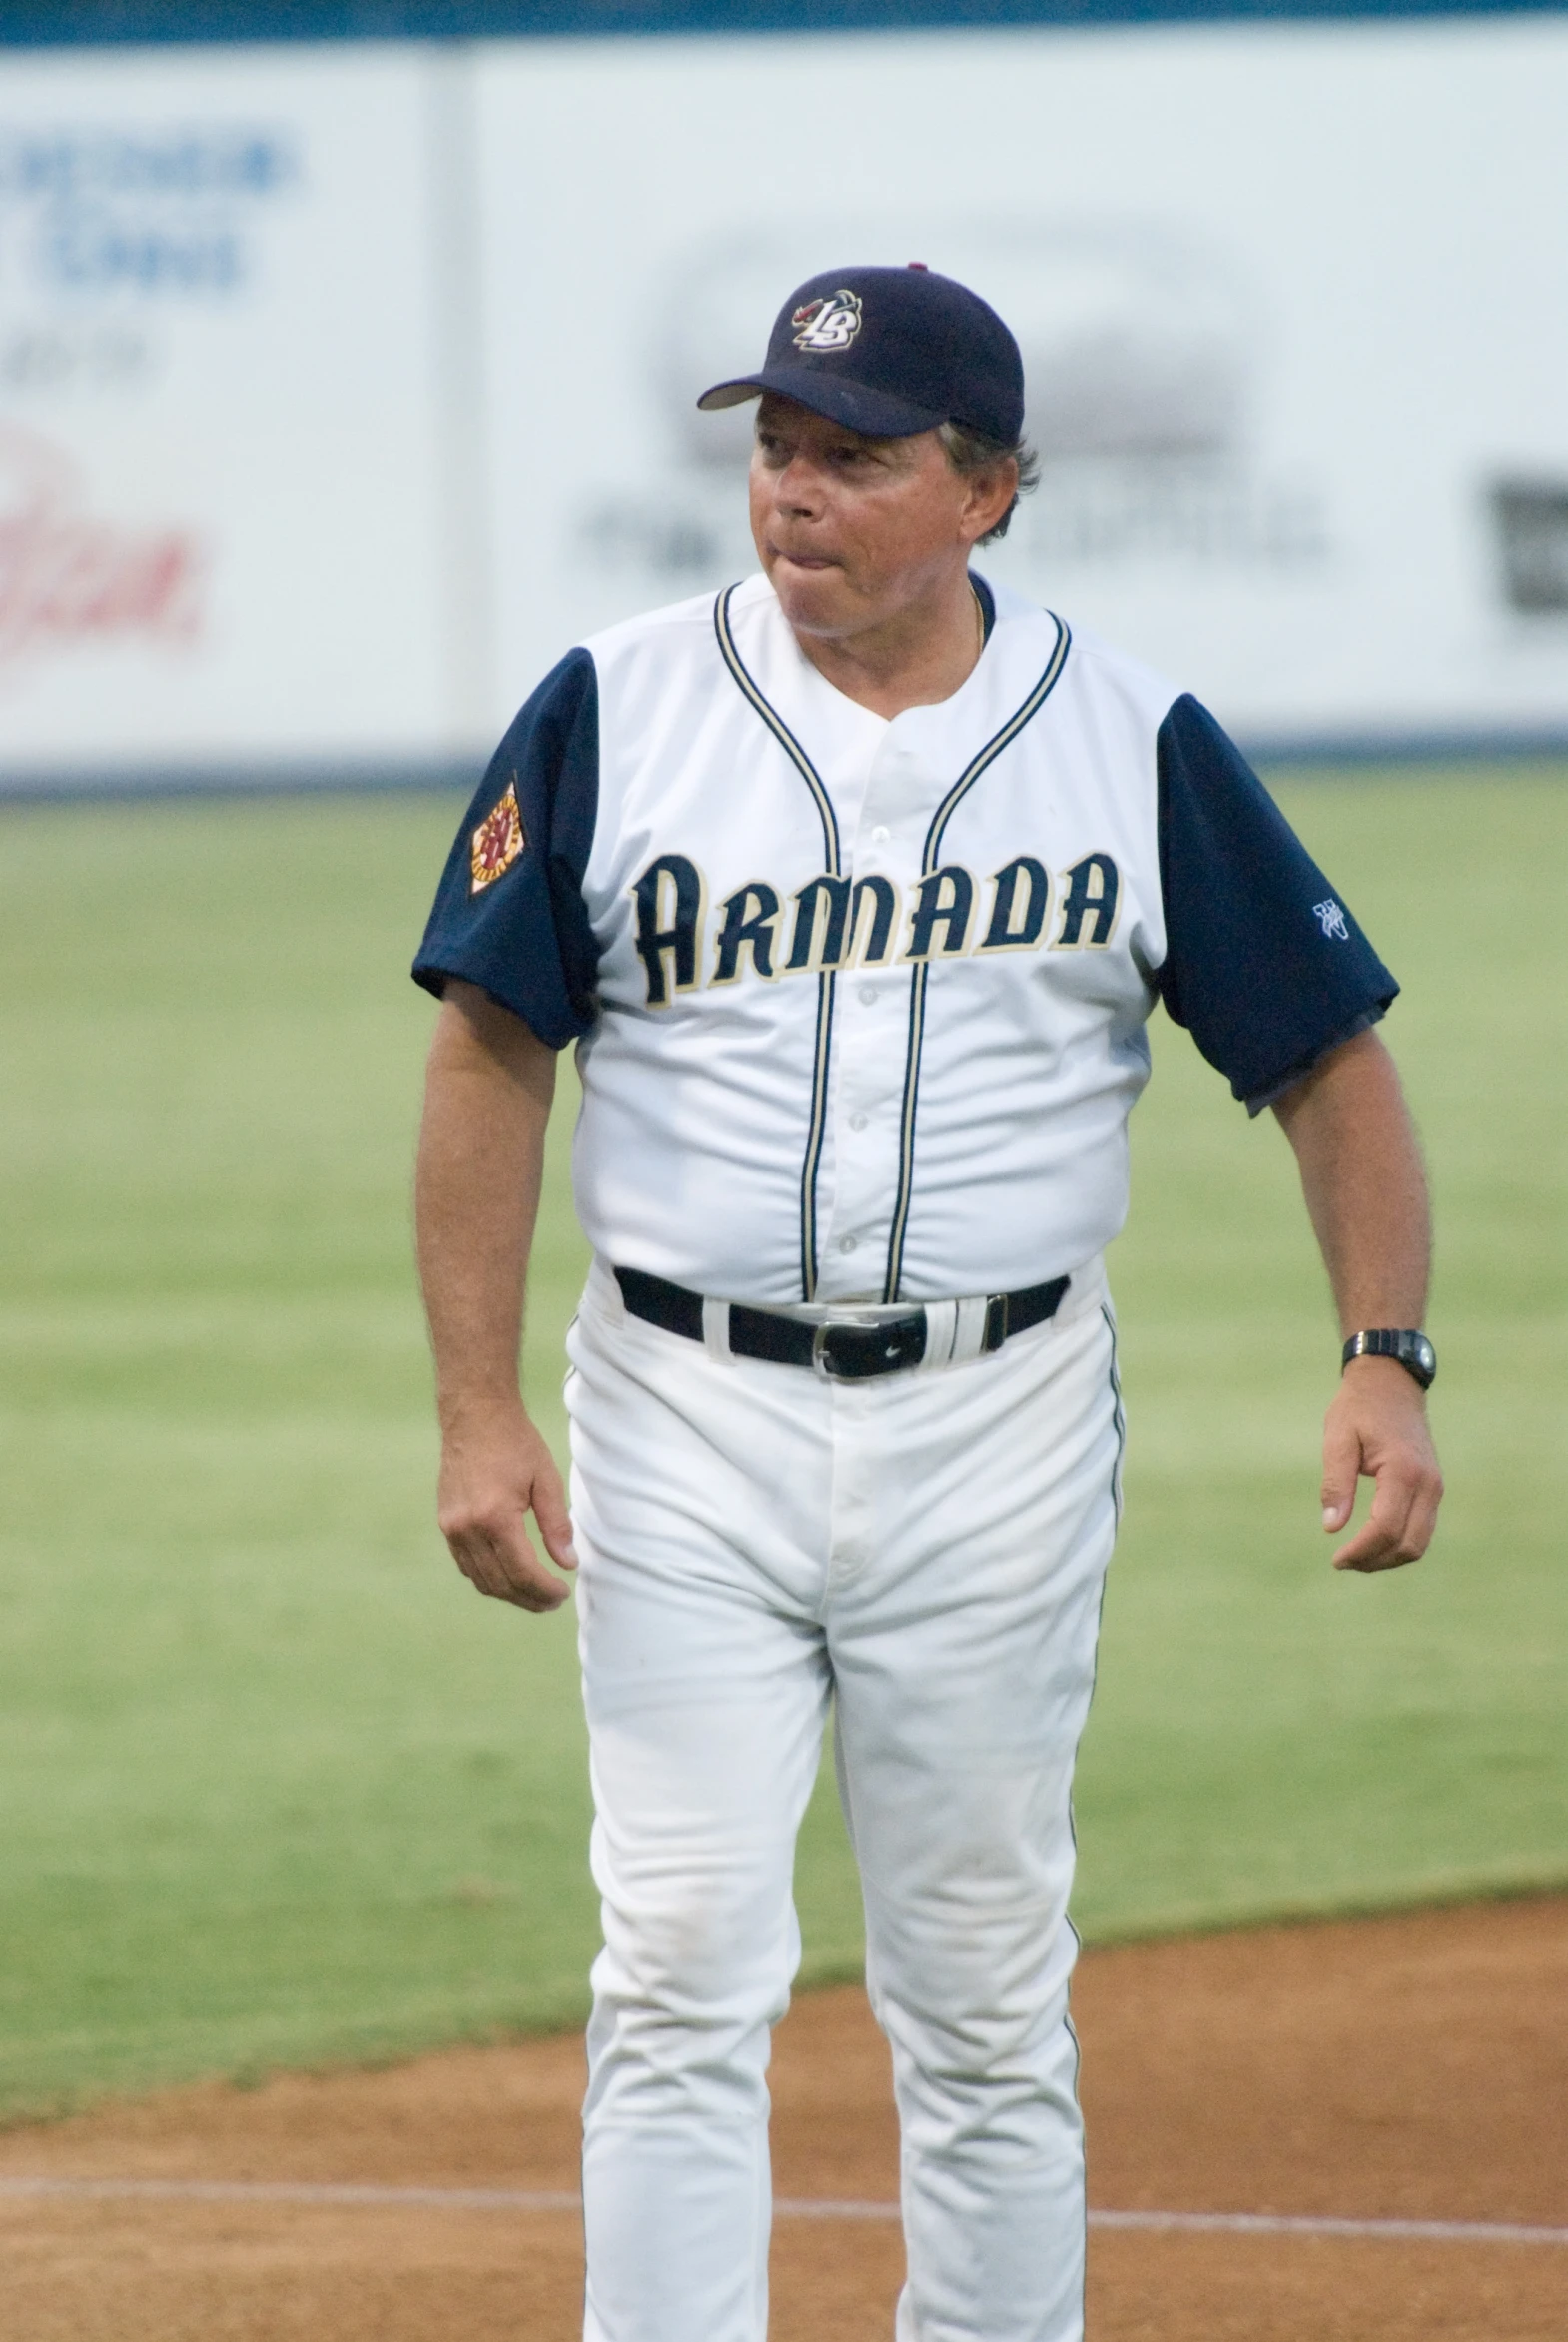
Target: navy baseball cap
[890,351]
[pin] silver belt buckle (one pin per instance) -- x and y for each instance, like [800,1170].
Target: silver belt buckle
[859,1321]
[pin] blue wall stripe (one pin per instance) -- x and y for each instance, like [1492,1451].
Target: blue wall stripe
[57,23]
[1417,752]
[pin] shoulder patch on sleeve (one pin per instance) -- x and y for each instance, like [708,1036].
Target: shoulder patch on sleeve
[497,842]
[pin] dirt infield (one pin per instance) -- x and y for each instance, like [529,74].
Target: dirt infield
[1411,2068]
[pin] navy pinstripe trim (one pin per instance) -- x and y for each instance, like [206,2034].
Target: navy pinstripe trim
[988,755]
[830,846]
[1118,1416]
[999,740]
[1120,1420]
[777,726]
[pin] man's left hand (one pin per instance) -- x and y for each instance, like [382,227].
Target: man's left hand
[1378,1427]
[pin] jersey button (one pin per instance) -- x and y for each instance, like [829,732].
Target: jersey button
[868,996]
[857,1121]
[846,1244]
[880,835]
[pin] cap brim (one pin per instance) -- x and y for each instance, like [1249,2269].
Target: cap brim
[871,413]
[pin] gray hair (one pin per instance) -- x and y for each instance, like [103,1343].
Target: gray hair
[968,451]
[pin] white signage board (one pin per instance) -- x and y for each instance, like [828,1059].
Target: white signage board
[1293,305]
[221,442]
[343,388]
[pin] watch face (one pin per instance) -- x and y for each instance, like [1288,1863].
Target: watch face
[1422,1356]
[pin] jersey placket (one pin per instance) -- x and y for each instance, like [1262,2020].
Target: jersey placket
[871,1030]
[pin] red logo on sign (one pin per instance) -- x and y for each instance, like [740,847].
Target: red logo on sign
[65,578]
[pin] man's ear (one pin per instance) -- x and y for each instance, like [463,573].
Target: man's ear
[990,495]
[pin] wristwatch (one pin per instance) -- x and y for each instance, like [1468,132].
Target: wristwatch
[1412,1350]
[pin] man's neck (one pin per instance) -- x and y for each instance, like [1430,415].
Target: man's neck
[916,659]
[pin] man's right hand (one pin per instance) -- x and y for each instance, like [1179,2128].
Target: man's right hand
[493,1474]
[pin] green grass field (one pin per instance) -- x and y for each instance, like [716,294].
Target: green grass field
[279,1787]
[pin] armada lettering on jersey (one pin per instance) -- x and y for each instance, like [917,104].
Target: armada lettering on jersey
[1092,891]
[822,909]
[871,938]
[1016,924]
[671,898]
[946,900]
[838,922]
[841,923]
[751,922]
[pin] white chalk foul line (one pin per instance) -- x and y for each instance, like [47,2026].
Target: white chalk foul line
[297,2192]
[1324,2224]
[523,2199]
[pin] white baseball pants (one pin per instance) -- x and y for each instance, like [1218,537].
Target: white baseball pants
[926,1552]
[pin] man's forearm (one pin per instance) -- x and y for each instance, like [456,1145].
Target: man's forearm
[488,1091]
[477,1196]
[1365,1191]
[1364,1185]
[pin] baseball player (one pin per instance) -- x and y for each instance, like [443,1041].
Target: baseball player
[854,887]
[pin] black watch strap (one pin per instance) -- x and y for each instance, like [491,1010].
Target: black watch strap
[1403,1342]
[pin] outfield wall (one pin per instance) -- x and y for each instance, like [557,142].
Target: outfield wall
[342,387]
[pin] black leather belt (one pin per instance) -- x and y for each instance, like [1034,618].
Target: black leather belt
[844,1352]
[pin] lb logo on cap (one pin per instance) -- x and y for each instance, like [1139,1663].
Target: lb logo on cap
[830,323]
[497,842]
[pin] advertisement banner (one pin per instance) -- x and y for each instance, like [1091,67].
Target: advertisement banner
[341,388]
[222,509]
[1293,300]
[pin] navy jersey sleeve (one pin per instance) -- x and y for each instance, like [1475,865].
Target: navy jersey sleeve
[508,913]
[1264,961]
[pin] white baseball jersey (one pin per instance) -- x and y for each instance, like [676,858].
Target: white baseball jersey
[860,1003]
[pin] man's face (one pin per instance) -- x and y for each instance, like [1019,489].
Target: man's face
[852,531]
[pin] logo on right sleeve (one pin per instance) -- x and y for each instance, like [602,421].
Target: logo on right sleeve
[496,842]
[1331,920]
